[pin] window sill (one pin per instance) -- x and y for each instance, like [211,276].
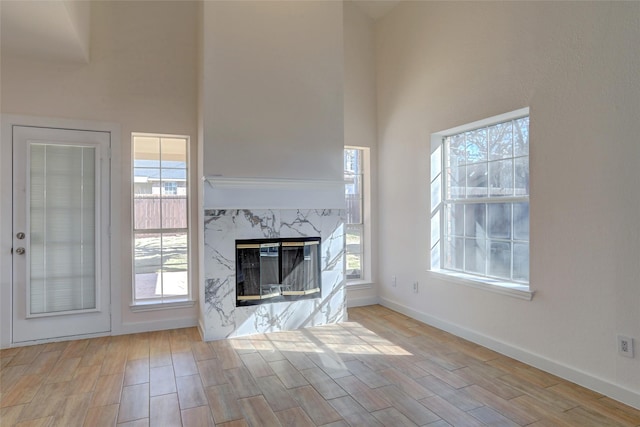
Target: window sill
[153,305]
[359,284]
[511,289]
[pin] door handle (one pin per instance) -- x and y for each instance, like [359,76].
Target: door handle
[20,251]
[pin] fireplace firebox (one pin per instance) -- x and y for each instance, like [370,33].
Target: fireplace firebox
[273,270]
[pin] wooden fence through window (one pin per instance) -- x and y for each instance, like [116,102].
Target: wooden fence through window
[147,210]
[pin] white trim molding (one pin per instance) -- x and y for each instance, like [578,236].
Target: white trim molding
[359,284]
[153,306]
[150,326]
[6,240]
[514,290]
[585,379]
[362,301]
[438,203]
[270,183]
[272,193]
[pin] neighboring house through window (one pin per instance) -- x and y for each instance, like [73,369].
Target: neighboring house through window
[480,201]
[170,187]
[160,218]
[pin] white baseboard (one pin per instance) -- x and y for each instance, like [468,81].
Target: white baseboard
[201,328]
[126,328]
[138,327]
[621,394]
[359,302]
[57,339]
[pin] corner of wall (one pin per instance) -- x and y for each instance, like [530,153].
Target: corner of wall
[585,379]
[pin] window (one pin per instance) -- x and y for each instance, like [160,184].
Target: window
[170,188]
[354,177]
[160,218]
[480,200]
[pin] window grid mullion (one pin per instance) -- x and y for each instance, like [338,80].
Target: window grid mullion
[443,207]
[513,193]
[466,173]
[487,244]
[464,240]
[511,241]
[161,231]
[477,200]
[161,224]
[354,176]
[487,241]
[448,201]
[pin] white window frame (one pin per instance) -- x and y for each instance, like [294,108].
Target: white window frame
[365,279]
[173,302]
[436,238]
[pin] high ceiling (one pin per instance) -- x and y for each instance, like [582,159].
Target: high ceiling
[56,29]
[60,29]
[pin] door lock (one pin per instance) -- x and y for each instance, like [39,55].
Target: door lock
[20,235]
[20,251]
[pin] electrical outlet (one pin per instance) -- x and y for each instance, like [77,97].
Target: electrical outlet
[394,281]
[625,346]
[415,287]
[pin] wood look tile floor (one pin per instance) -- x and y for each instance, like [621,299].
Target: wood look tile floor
[379,369]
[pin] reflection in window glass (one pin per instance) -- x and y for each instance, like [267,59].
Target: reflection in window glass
[485,201]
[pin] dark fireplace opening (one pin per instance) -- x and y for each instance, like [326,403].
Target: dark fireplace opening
[274,270]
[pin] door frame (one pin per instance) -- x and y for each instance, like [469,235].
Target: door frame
[6,213]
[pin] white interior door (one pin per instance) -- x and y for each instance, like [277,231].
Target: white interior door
[61,281]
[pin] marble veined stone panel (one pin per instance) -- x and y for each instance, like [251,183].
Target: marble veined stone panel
[221,317]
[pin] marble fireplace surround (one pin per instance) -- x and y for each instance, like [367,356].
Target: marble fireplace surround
[246,208]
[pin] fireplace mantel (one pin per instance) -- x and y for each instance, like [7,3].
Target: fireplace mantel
[272,183]
[222,192]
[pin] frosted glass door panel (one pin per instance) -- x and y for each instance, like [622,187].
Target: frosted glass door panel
[62,196]
[61,207]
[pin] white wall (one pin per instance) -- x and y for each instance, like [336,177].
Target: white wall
[79,12]
[360,130]
[442,64]
[142,75]
[273,89]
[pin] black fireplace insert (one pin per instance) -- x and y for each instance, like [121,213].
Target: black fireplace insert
[272,270]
